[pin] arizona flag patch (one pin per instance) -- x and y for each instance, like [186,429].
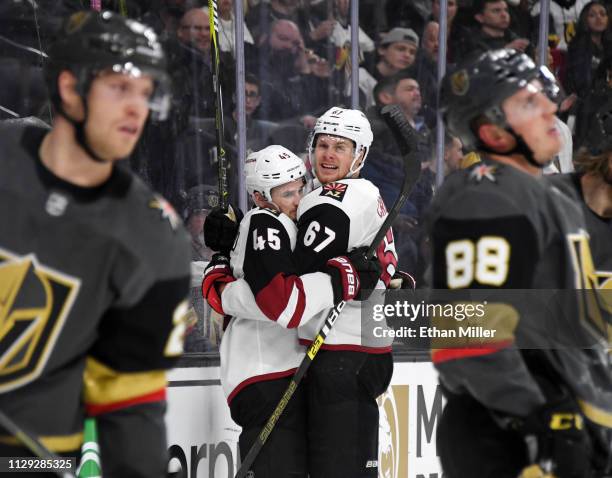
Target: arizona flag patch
[335,191]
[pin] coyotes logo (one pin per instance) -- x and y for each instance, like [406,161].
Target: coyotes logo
[335,191]
[34,303]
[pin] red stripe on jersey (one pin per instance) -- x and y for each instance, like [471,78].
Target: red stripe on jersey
[156,396]
[349,347]
[273,299]
[444,355]
[259,378]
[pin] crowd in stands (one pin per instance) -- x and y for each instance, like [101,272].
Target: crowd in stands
[298,64]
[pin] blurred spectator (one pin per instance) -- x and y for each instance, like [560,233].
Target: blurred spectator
[457,44]
[293,79]
[330,38]
[227,28]
[412,14]
[199,201]
[164,16]
[341,33]
[257,131]
[384,166]
[261,18]
[586,50]
[190,64]
[599,95]
[194,30]
[181,153]
[426,66]
[453,154]
[565,15]
[397,50]
[494,31]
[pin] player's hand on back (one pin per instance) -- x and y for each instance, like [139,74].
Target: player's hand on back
[354,276]
[217,274]
[221,227]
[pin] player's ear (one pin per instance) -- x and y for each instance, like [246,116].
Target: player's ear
[71,99]
[495,137]
[259,200]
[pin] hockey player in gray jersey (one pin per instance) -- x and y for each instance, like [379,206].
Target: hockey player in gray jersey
[536,397]
[260,350]
[94,266]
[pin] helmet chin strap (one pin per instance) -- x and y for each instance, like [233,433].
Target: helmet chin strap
[80,135]
[351,172]
[521,148]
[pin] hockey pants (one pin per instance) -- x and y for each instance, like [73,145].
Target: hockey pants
[343,413]
[471,444]
[284,454]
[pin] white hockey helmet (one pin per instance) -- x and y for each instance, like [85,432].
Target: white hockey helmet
[346,123]
[272,166]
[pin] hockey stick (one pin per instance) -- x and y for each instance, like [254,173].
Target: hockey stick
[32,443]
[405,137]
[214,50]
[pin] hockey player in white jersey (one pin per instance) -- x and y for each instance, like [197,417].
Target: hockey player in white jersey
[354,366]
[260,350]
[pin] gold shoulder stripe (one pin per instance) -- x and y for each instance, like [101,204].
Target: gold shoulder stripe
[104,385]
[58,444]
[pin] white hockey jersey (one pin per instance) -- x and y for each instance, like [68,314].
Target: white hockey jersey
[267,302]
[333,219]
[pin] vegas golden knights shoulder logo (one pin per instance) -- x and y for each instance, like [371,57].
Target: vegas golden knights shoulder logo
[34,303]
[594,287]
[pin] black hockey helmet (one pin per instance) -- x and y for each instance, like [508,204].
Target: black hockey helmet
[479,85]
[90,42]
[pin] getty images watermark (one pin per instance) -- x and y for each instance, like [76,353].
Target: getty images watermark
[526,318]
[415,313]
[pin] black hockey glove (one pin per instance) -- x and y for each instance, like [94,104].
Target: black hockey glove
[221,228]
[557,439]
[369,270]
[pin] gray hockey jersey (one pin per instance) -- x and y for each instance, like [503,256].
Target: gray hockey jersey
[493,227]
